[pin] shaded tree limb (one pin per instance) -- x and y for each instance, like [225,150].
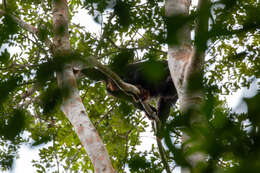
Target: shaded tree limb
[129,89]
[162,152]
[163,155]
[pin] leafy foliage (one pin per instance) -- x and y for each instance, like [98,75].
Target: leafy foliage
[131,31]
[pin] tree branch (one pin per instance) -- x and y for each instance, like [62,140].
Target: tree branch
[27,27]
[163,155]
[129,89]
[105,30]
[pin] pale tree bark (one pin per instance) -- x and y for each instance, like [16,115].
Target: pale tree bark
[72,105]
[184,60]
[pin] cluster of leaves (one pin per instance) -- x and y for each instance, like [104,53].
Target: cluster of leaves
[226,139]
[131,30]
[229,141]
[117,122]
[235,47]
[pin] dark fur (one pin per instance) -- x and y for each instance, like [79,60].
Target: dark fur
[143,75]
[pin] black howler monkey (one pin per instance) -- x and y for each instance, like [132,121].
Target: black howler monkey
[151,77]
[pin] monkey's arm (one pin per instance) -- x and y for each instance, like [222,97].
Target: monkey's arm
[116,92]
[125,89]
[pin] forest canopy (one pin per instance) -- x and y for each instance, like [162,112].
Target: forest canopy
[130,32]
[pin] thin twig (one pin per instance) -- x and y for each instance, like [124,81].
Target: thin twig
[102,118]
[104,34]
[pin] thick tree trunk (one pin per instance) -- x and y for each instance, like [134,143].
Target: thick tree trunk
[72,105]
[184,61]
